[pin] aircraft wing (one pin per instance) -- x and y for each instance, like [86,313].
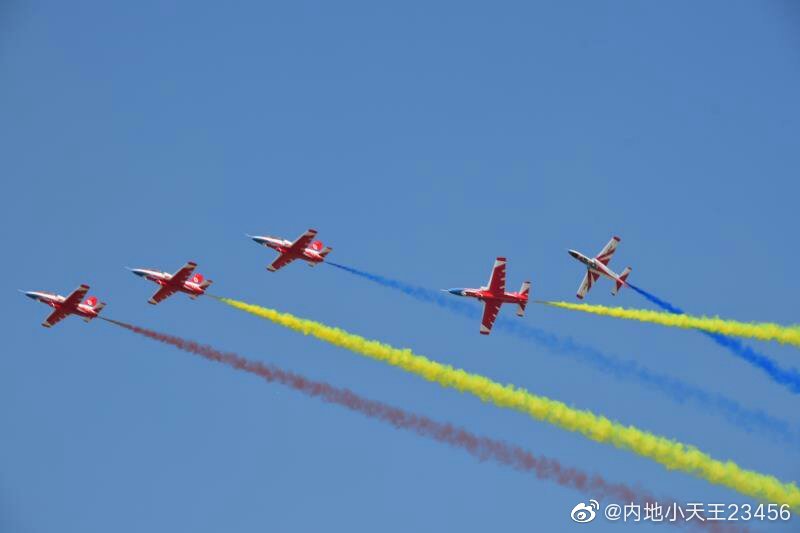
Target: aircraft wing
[180,277]
[303,241]
[56,316]
[281,262]
[75,298]
[608,250]
[497,281]
[587,283]
[163,293]
[490,310]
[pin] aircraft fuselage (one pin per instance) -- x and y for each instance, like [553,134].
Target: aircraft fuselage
[594,265]
[489,296]
[164,278]
[56,301]
[283,246]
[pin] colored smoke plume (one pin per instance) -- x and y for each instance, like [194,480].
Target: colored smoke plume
[481,447]
[669,453]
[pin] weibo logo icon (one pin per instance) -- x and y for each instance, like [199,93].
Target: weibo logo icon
[583,513]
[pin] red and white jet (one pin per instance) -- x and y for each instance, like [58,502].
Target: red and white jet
[598,266]
[71,305]
[311,252]
[494,295]
[180,281]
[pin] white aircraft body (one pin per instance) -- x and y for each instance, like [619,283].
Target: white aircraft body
[598,266]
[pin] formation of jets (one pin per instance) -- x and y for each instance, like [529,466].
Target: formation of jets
[313,252]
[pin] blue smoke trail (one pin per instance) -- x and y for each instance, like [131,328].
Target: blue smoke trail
[789,378]
[748,420]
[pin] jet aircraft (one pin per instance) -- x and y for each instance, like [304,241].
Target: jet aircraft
[180,281]
[598,266]
[494,295]
[303,248]
[70,305]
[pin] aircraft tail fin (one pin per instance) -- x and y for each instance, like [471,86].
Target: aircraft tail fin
[92,302]
[201,281]
[621,281]
[524,291]
[97,306]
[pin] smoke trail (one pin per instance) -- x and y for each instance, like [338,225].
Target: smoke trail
[669,453]
[677,390]
[483,448]
[764,331]
[789,378]
[663,304]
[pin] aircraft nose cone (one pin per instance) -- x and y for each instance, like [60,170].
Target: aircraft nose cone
[457,292]
[573,253]
[137,271]
[29,294]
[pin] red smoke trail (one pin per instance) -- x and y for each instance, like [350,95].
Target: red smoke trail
[483,448]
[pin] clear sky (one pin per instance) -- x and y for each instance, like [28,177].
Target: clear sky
[422,140]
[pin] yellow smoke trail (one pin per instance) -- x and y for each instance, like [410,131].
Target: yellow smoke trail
[674,455]
[764,331]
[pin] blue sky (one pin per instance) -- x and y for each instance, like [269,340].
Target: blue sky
[422,141]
